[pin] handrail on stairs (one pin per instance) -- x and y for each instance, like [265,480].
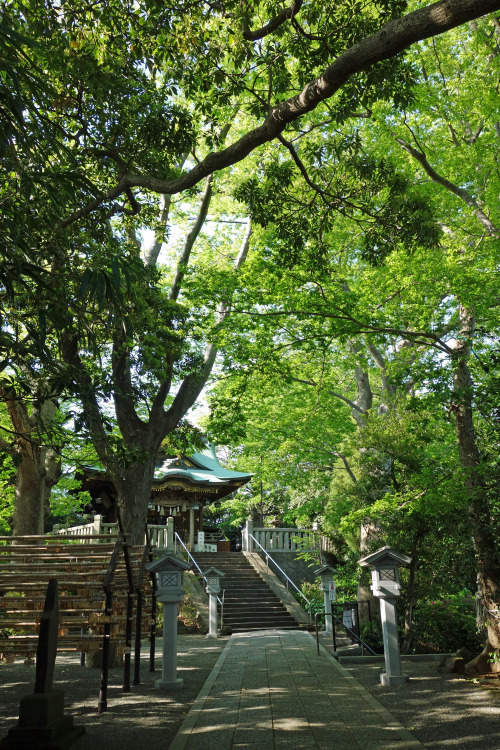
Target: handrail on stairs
[350,633]
[201,573]
[268,557]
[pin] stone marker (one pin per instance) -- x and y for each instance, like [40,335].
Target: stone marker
[42,723]
[384,564]
[169,571]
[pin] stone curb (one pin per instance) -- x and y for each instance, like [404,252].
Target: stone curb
[381,658]
[187,726]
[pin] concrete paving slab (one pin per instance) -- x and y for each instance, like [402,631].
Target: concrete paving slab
[272,691]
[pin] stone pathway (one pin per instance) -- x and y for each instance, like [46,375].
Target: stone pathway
[270,691]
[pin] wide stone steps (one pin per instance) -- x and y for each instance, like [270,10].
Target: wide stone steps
[249,603]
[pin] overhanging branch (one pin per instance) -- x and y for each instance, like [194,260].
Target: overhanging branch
[394,37]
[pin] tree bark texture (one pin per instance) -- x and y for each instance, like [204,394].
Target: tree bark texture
[488,562]
[38,466]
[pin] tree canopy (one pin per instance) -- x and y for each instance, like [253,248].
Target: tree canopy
[297,203]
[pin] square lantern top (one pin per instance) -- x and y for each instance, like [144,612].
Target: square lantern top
[212,572]
[326,570]
[385,557]
[385,564]
[169,570]
[168,562]
[327,577]
[212,577]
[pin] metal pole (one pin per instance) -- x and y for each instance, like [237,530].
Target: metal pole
[152,633]
[128,645]
[138,637]
[103,693]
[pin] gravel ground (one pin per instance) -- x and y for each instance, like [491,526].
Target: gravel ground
[141,719]
[442,711]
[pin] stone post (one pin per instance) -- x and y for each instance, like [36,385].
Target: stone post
[97,525]
[212,576]
[384,566]
[169,679]
[393,674]
[170,534]
[169,572]
[326,573]
[246,539]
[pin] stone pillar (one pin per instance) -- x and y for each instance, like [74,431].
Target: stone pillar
[191,530]
[328,611]
[392,674]
[170,534]
[169,679]
[212,616]
[247,541]
[212,577]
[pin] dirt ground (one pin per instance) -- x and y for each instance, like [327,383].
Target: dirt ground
[142,718]
[442,711]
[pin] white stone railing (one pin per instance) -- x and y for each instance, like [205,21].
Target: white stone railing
[290,540]
[97,527]
[162,537]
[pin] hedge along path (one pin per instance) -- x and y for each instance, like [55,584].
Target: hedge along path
[106,598]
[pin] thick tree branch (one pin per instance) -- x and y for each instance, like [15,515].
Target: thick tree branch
[273,24]
[193,384]
[191,238]
[458,191]
[393,38]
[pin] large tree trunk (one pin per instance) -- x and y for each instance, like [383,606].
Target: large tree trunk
[38,467]
[408,624]
[134,493]
[488,563]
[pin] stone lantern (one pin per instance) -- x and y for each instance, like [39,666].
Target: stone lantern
[212,576]
[326,573]
[169,571]
[385,564]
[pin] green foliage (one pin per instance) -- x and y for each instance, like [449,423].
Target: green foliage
[447,624]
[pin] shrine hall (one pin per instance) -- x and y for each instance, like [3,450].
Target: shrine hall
[182,487]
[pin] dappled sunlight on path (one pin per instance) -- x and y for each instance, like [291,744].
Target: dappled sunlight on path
[270,689]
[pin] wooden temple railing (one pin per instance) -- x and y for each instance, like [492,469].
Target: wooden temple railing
[104,591]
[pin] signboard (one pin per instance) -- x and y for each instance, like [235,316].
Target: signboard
[201,538]
[347,618]
[332,594]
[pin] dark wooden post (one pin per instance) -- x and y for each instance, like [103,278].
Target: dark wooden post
[102,704]
[42,723]
[138,637]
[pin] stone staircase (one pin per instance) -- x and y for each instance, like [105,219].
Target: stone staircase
[249,603]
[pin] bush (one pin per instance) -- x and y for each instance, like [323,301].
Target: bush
[446,624]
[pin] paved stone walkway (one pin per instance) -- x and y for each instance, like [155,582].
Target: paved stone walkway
[271,691]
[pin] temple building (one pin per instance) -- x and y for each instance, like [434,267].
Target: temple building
[182,487]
